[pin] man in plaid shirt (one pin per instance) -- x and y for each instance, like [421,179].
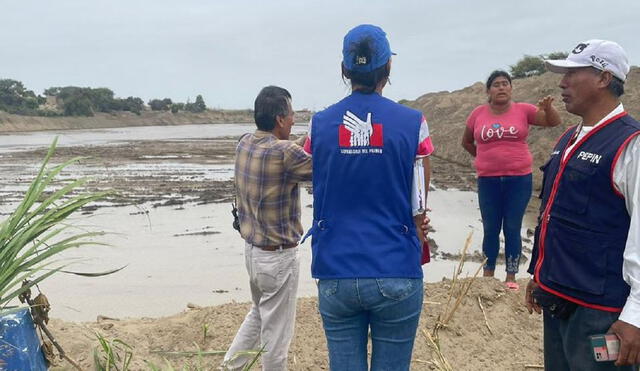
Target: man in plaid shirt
[268,169]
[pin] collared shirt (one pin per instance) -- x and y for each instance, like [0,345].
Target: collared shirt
[267,173]
[626,179]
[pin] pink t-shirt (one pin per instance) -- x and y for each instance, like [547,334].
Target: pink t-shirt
[501,140]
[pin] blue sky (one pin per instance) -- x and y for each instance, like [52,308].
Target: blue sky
[228,50]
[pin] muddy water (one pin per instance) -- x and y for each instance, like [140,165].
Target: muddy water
[175,255]
[69,138]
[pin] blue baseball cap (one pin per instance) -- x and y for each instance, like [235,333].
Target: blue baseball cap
[380,53]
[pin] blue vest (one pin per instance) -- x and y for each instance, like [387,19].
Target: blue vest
[582,233]
[363,226]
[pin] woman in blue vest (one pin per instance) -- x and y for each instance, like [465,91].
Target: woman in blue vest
[366,252]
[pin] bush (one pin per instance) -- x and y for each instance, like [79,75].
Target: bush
[528,66]
[160,105]
[176,107]
[557,55]
[531,65]
[15,98]
[199,105]
[132,104]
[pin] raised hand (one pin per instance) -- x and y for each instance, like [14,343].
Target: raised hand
[545,103]
[360,130]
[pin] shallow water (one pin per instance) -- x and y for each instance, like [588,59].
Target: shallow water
[188,254]
[67,138]
[169,264]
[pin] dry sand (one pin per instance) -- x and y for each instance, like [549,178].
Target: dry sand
[515,340]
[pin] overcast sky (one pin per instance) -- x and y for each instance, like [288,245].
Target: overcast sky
[227,50]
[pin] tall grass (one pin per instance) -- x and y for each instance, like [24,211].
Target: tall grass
[458,289]
[32,235]
[116,355]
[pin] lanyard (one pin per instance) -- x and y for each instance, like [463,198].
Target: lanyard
[576,134]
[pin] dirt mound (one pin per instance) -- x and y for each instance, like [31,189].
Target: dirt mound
[447,113]
[514,341]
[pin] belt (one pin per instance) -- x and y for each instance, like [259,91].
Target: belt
[277,248]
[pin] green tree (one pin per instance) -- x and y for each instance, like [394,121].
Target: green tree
[15,98]
[102,99]
[176,107]
[529,65]
[78,106]
[52,91]
[557,55]
[133,104]
[199,105]
[160,105]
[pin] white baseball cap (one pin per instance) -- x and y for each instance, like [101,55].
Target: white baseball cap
[601,54]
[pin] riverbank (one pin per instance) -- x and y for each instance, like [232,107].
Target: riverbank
[10,123]
[170,224]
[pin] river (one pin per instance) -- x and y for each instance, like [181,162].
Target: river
[175,255]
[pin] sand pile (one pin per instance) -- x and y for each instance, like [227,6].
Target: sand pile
[447,113]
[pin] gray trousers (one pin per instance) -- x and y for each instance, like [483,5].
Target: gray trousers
[273,279]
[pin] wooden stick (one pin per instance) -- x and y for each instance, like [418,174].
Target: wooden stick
[463,293]
[486,321]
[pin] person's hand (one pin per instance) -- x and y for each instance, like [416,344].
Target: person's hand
[529,302]
[360,130]
[425,224]
[545,103]
[629,336]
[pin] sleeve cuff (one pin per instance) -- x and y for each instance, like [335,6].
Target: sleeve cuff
[631,312]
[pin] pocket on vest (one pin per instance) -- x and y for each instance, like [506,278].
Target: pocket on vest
[577,259]
[575,188]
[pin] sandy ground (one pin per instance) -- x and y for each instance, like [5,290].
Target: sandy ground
[513,341]
[510,339]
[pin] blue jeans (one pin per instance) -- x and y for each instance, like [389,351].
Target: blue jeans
[567,346]
[503,201]
[389,306]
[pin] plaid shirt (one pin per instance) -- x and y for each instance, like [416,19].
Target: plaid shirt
[267,173]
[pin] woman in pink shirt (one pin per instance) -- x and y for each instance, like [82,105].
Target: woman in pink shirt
[496,135]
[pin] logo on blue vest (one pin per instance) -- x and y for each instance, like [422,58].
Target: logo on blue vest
[356,136]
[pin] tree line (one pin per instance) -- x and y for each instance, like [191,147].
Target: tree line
[77,101]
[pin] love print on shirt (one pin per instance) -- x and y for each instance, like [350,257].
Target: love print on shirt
[497,131]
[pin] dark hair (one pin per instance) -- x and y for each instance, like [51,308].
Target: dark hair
[271,102]
[367,81]
[495,74]
[616,86]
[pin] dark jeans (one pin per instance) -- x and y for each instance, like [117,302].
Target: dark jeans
[390,307]
[503,201]
[566,341]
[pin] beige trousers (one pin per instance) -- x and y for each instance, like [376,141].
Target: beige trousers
[273,279]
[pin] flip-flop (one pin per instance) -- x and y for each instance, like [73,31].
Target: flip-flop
[513,286]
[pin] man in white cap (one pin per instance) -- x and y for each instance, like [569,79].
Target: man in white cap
[586,258]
